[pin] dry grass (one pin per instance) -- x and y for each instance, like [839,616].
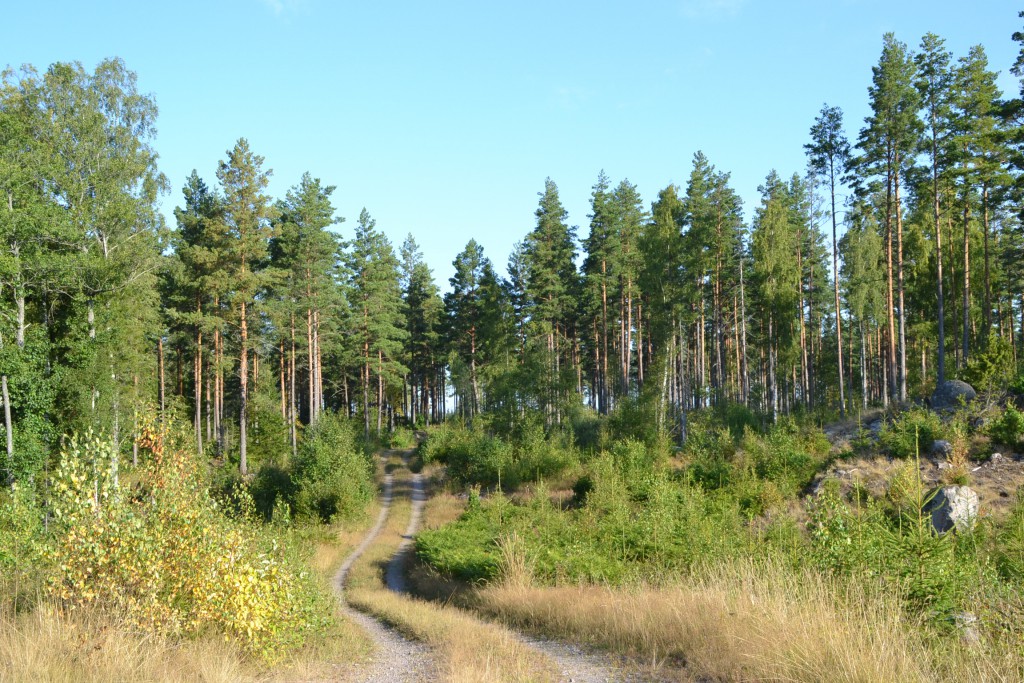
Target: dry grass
[751,623]
[48,645]
[466,648]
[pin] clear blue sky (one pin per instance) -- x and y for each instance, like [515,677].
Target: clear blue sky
[444,118]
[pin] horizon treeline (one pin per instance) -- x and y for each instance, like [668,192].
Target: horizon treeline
[252,315]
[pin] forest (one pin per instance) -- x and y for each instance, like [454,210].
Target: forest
[670,366]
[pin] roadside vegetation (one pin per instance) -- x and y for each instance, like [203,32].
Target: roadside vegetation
[129,572]
[736,554]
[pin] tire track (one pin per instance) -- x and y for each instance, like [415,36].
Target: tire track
[397,659]
[575,664]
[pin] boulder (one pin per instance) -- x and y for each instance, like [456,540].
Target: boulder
[952,394]
[953,507]
[941,447]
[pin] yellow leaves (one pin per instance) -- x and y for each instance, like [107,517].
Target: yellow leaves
[168,560]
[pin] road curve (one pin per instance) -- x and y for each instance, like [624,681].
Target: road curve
[397,659]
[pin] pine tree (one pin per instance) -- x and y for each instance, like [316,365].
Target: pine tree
[549,253]
[378,317]
[934,84]
[829,156]
[306,254]
[248,215]
[889,142]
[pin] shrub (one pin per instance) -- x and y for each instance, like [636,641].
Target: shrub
[401,438]
[22,543]
[911,433]
[1009,428]
[165,559]
[333,477]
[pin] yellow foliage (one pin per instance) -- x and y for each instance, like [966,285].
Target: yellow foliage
[164,558]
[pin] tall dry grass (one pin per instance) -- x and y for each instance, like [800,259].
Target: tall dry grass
[48,645]
[752,622]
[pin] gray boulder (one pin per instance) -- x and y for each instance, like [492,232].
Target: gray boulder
[952,394]
[941,447]
[953,507]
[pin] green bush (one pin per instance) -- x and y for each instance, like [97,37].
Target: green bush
[401,438]
[474,457]
[333,477]
[911,433]
[1008,429]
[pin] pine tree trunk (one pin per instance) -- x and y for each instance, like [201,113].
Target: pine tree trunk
[863,367]
[604,339]
[940,310]
[293,403]
[743,339]
[988,285]
[835,283]
[311,361]
[380,390]
[199,388]
[899,264]
[243,463]
[967,281]
[283,379]
[320,404]
[889,293]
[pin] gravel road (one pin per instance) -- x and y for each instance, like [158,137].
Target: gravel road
[396,659]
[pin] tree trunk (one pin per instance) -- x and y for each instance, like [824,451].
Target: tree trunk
[160,363]
[311,359]
[967,280]
[199,391]
[988,287]
[743,339]
[835,286]
[243,463]
[899,267]
[890,298]
[940,311]
[8,430]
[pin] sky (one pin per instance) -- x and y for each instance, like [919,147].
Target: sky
[443,119]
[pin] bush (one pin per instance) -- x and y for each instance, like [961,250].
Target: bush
[911,433]
[1009,428]
[333,477]
[166,559]
[23,557]
[474,457]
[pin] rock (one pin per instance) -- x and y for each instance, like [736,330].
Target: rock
[943,465]
[875,428]
[941,447]
[952,394]
[953,507]
[996,457]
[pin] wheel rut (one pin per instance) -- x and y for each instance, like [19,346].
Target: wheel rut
[400,659]
[397,659]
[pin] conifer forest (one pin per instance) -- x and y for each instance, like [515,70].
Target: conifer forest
[681,403]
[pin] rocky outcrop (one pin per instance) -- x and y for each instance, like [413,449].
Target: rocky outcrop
[952,394]
[941,447]
[953,507]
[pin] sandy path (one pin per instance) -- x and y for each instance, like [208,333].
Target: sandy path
[396,659]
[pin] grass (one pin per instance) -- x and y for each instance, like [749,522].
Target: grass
[465,648]
[750,622]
